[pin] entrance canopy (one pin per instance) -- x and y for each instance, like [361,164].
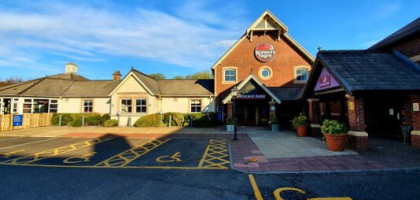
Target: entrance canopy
[248,90]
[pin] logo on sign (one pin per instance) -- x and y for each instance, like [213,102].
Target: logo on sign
[17,120]
[324,81]
[265,52]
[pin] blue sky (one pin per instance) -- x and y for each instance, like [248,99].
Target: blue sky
[172,37]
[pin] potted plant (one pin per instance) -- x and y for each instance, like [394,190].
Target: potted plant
[229,125]
[274,123]
[335,133]
[301,125]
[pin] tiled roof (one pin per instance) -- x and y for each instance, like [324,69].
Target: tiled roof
[149,82]
[405,32]
[370,70]
[287,93]
[68,85]
[100,88]
[186,87]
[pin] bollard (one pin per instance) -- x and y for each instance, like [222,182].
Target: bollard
[59,120]
[83,120]
[129,121]
[191,121]
[170,120]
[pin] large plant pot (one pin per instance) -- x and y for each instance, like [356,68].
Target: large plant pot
[274,127]
[230,128]
[336,142]
[302,130]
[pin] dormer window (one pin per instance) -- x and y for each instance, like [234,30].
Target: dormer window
[230,75]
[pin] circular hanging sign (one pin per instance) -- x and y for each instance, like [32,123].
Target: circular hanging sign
[265,52]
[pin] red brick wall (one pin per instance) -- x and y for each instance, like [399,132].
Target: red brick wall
[243,58]
[409,48]
[415,141]
[357,115]
[415,114]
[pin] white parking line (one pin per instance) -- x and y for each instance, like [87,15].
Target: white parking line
[29,143]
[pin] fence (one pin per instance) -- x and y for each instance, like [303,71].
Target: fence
[29,121]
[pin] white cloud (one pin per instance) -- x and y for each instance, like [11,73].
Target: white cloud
[86,33]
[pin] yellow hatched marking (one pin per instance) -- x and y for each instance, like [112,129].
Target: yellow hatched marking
[215,156]
[132,154]
[54,152]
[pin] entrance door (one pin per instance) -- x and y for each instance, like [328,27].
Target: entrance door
[6,106]
[252,112]
[383,116]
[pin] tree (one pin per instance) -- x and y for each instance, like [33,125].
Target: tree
[157,76]
[11,81]
[179,77]
[200,75]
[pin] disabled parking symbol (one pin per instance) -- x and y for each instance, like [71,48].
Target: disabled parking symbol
[176,157]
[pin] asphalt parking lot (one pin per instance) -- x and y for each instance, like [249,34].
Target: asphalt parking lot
[115,167]
[113,151]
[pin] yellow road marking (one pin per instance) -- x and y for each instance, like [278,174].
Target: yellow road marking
[214,155]
[279,190]
[79,159]
[257,192]
[54,152]
[112,167]
[8,154]
[165,159]
[34,142]
[126,157]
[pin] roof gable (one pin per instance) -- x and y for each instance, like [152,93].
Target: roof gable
[266,22]
[128,81]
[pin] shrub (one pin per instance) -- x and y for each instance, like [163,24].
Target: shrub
[93,119]
[201,119]
[105,118]
[77,122]
[110,123]
[152,120]
[66,118]
[177,119]
[229,121]
[273,120]
[333,127]
[300,120]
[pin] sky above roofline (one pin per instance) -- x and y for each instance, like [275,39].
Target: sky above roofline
[174,37]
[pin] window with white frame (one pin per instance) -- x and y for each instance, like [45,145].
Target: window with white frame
[301,74]
[141,106]
[195,106]
[53,106]
[88,106]
[1,106]
[40,105]
[15,106]
[230,75]
[126,106]
[27,106]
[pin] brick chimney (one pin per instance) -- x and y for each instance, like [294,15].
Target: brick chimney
[71,68]
[116,76]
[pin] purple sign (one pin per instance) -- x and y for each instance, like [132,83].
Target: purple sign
[325,81]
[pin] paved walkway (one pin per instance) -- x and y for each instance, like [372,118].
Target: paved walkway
[284,151]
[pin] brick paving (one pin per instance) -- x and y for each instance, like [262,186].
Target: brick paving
[383,154]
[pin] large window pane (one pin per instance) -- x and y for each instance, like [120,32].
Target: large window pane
[230,75]
[195,105]
[126,106]
[141,106]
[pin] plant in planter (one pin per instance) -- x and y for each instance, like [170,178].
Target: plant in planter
[301,125]
[274,123]
[229,125]
[335,133]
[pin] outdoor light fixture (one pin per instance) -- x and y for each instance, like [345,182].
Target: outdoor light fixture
[235,92]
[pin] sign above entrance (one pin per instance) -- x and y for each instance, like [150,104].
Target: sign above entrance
[265,52]
[252,96]
[325,81]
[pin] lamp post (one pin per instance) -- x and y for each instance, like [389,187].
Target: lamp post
[235,93]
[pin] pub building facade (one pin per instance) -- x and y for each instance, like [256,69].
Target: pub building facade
[268,68]
[375,91]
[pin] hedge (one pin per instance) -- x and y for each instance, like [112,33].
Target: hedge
[177,119]
[153,120]
[75,119]
[110,123]
[201,119]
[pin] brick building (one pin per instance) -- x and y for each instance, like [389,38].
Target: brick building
[375,91]
[268,67]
